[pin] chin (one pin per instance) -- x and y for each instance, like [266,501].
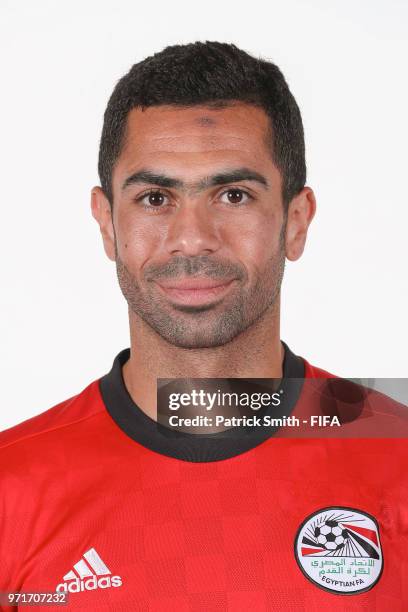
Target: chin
[187,343]
[199,337]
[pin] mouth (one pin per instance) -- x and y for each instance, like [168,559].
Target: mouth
[195,291]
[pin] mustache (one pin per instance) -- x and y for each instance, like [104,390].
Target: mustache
[200,265]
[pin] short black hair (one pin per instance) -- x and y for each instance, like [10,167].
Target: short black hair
[208,73]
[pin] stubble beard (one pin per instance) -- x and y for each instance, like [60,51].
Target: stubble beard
[212,325]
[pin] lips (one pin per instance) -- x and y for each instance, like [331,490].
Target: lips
[195,291]
[193,283]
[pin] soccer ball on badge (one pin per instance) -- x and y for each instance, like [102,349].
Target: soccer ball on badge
[330,535]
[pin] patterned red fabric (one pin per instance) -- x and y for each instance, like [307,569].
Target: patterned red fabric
[188,536]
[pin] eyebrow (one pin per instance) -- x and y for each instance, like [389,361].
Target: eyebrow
[221,178]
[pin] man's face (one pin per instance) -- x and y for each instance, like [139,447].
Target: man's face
[198,221]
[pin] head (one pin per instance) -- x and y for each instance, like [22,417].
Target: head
[202,170]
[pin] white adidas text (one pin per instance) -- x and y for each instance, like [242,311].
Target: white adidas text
[90,585]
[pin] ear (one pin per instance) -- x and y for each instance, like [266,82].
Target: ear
[301,211]
[101,211]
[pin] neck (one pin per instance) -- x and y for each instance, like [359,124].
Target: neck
[255,353]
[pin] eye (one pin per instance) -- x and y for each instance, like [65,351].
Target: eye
[153,199]
[235,196]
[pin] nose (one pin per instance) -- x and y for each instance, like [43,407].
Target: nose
[192,231]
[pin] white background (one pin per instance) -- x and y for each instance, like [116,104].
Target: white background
[63,318]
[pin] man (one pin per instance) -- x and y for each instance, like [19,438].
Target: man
[202,198]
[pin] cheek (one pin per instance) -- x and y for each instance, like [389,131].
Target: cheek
[136,242]
[255,242]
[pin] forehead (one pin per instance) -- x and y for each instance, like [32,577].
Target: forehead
[239,132]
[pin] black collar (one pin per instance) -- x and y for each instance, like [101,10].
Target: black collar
[190,447]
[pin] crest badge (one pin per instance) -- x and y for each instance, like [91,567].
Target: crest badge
[339,550]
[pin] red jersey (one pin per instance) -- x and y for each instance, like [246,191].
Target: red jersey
[96,505]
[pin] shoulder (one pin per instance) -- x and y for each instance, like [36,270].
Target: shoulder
[51,426]
[312,371]
[366,411]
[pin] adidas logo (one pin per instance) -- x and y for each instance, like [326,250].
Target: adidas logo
[90,573]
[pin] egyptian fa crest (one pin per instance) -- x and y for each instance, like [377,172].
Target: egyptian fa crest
[339,550]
